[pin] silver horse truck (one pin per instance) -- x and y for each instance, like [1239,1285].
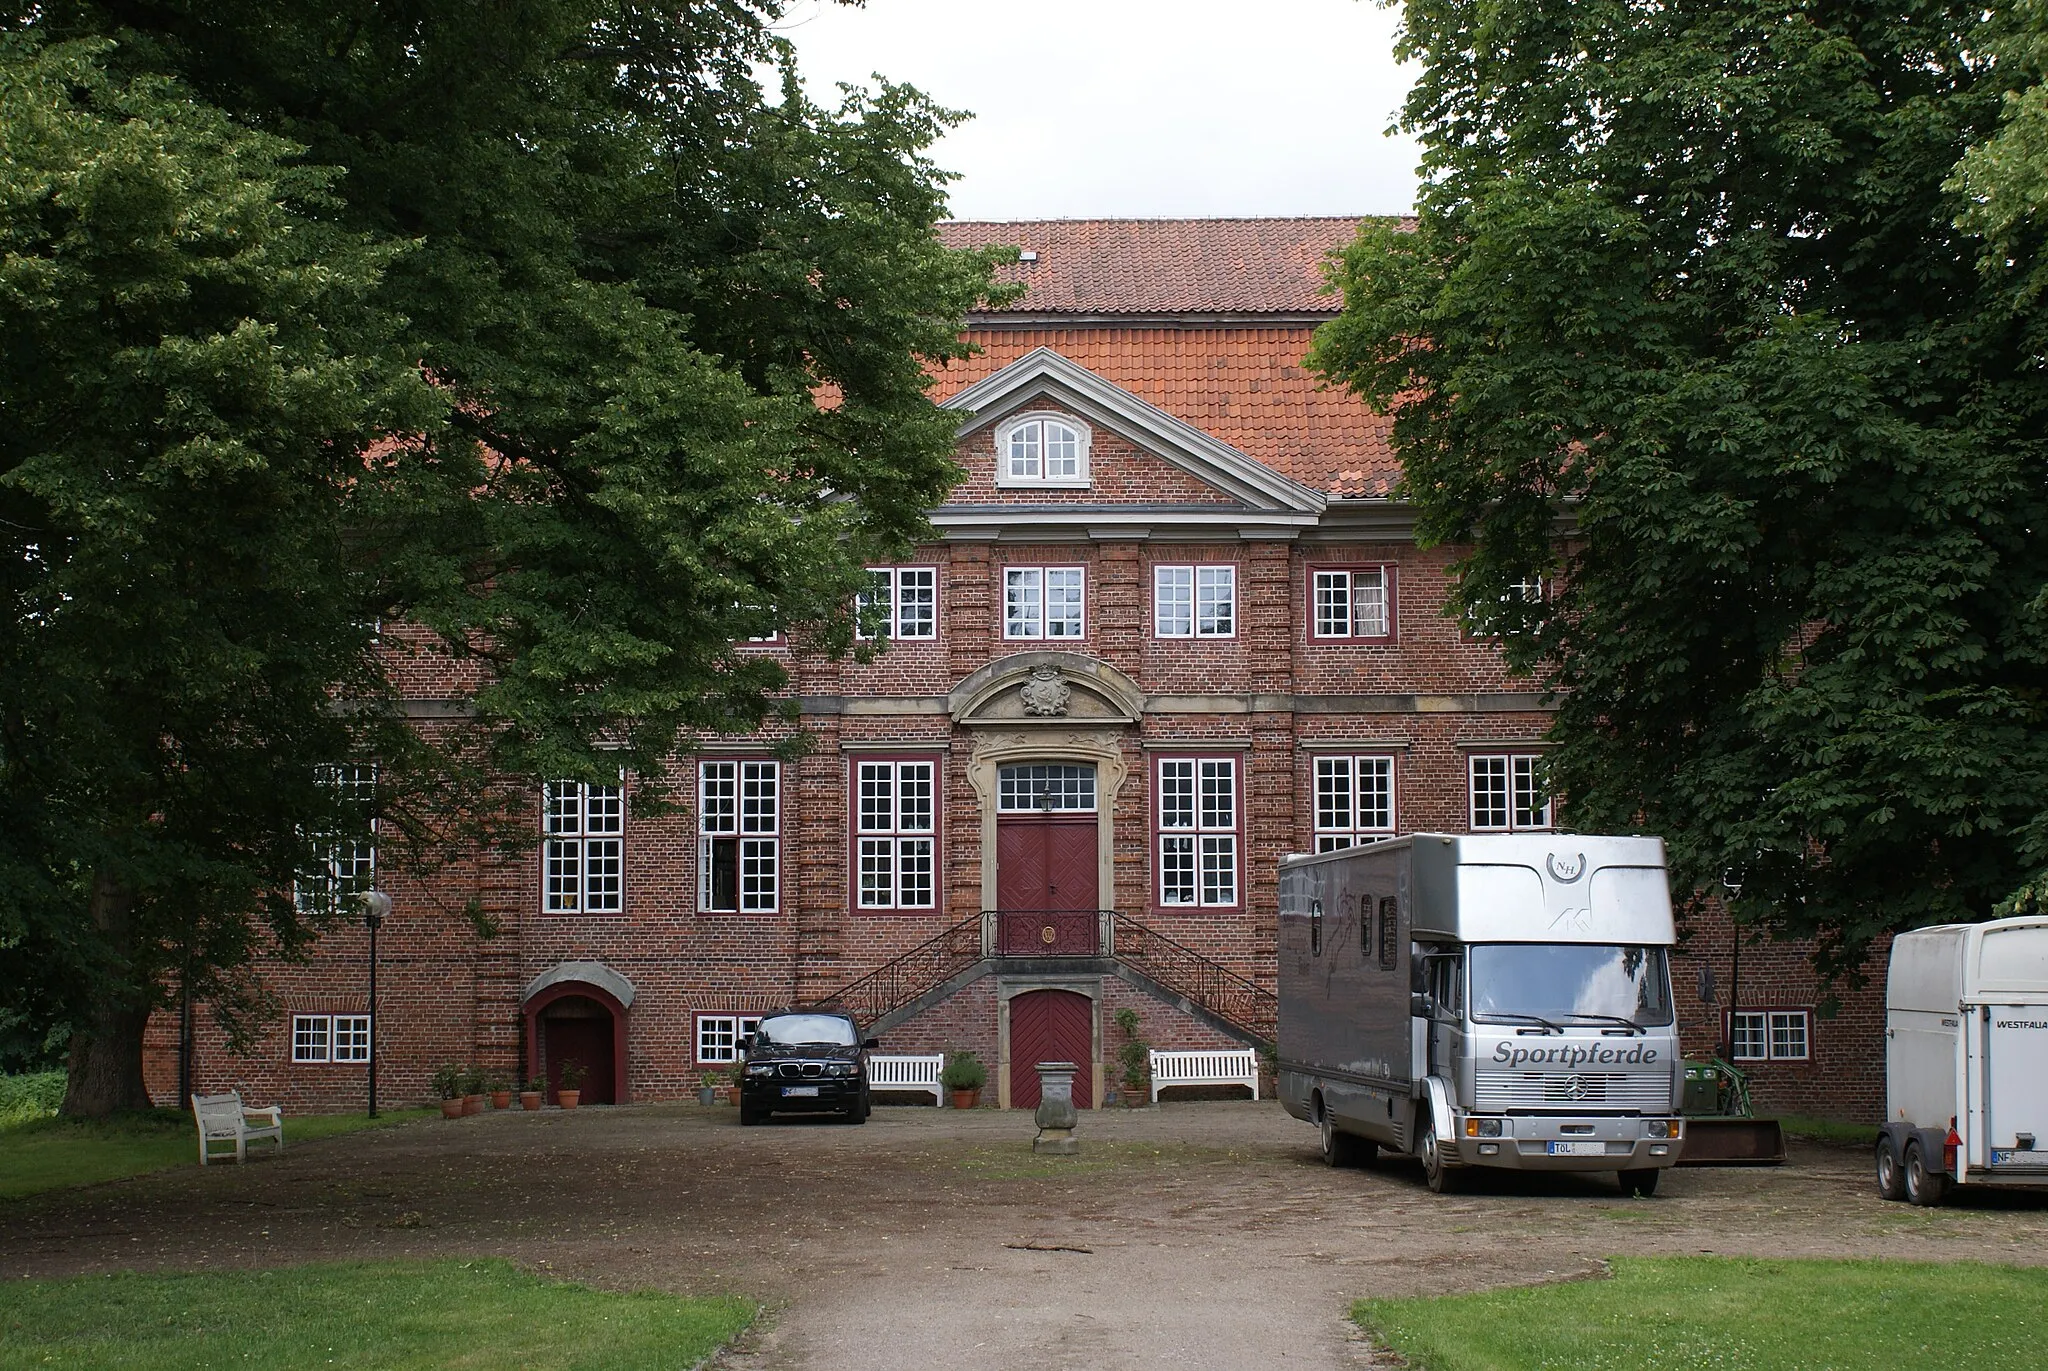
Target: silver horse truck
[1483,1001]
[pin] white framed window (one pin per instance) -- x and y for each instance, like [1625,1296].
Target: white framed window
[583,855]
[722,1037]
[1772,1035]
[1355,602]
[905,599]
[1044,602]
[343,1038]
[348,866]
[1194,601]
[896,826]
[739,837]
[1042,450]
[1197,831]
[1354,800]
[1045,788]
[1508,793]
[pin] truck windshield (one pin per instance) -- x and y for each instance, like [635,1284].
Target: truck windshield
[1570,982]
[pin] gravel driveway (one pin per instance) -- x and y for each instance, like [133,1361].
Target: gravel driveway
[1212,1235]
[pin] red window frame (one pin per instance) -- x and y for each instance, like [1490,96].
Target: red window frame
[854,833]
[1388,569]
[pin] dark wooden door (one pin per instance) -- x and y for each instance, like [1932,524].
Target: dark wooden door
[1051,1026]
[1046,867]
[584,1040]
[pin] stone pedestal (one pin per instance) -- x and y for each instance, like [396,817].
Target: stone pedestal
[1056,1116]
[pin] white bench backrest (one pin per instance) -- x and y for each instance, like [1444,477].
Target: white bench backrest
[219,1115]
[917,1071]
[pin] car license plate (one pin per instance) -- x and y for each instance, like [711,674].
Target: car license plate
[796,1091]
[1574,1148]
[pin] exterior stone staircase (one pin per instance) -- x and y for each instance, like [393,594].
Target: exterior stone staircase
[947,963]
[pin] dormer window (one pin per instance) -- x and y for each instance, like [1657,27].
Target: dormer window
[1042,450]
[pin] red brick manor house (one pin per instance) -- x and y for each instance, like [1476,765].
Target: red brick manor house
[1172,627]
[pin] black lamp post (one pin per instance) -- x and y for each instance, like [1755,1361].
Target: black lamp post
[376,904]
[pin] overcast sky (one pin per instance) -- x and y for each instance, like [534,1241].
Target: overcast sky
[1139,108]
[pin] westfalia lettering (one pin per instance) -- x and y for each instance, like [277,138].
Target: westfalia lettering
[1581,1054]
[2021,1023]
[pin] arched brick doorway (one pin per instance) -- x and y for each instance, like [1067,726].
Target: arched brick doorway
[581,1018]
[1051,1026]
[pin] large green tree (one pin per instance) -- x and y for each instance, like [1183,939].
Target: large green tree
[1687,279]
[542,326]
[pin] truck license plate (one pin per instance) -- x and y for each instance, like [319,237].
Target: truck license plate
[2006,1156]
[1573,1148]
[794,1091]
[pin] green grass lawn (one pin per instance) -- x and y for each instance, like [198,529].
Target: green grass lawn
[40,1153]
[483,1314]
[1828,1130]
[1693,1313]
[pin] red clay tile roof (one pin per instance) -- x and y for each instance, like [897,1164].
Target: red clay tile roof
[1246,386]
[1152,266]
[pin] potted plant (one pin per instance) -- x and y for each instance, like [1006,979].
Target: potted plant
[714,1081]
[534,1095]
[569,1091]
[448,1086]
[472,1090]
[500,1087]
[963,1077]
[1134,1061]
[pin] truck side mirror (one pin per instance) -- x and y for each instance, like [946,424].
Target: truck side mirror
[1422,1005]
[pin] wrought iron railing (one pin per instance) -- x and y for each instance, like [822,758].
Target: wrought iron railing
[1048,932]
[902,979]
[1201,981]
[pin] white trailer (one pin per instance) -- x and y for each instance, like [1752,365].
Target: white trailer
[1966,1059]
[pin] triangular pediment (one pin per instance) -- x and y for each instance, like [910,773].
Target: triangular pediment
[1043,375]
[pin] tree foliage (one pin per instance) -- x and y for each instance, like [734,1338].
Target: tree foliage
[542,327]
[1691,277]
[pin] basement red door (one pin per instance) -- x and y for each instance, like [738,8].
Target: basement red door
[1046,861]
[579,1030]
[1051,1026]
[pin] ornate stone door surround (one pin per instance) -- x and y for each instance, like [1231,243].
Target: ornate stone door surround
[1048,707]
[1009,988]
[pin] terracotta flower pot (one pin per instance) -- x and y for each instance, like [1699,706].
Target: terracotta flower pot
[966,1099]
[568,1099]
[1135,1097]
[732,1094]
[451,1109]
[529,1100]
[501,1099]
[472,1104]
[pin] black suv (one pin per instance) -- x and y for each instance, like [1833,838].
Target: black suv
[805,1062]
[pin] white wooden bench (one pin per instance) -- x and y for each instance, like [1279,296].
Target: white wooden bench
[908,1073]
[1221,1066]
[225,1119]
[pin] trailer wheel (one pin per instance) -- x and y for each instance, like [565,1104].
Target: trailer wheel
[1640,1182]
[1891,1174]
[1924,1185]
[1442,1179]
[1341,1148]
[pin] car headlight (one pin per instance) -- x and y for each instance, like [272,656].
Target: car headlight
[760,1068]
[839,1068]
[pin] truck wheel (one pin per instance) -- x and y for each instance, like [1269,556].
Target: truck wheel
[1891,1174]
[1642,1182]
[1340,1148]
[1924,1185]
[1443,1180]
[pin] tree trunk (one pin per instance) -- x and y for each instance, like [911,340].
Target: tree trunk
[105,1070]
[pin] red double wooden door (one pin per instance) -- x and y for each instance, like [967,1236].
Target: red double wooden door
[1051,1026]
[587,1041]
[1046,886]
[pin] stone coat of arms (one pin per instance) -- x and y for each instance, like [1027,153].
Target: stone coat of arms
[1046,694]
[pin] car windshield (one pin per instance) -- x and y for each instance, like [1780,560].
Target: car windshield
[1570,982]
[799,1030]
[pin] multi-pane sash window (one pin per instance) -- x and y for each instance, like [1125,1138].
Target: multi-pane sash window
[341,1038]
[720,1037]
[905,599]
[1352,602]
[1046,788]
[347,866]
[584,852]
[739,828]
[1194,601]
[1044,449]
[1197,828]
[1043,602]
[1508,793]
[1777,1035]
[1354,800]
[896,834]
